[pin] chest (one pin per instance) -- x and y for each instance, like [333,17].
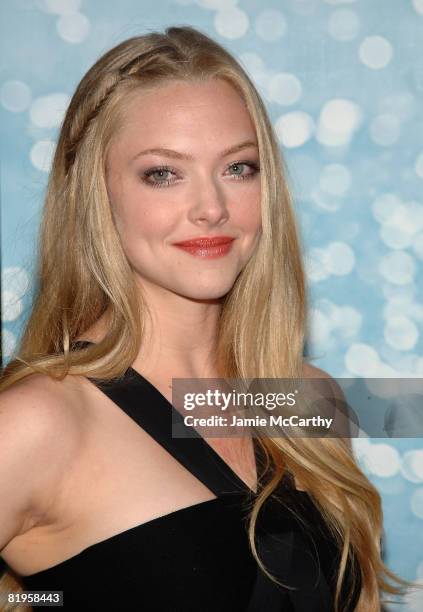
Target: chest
[120,477]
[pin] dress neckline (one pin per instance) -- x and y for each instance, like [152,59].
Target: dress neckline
[132,376]
[178,420]
[220,480]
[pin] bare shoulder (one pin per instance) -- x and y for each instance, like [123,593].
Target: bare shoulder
[336,392]
[40,434]
[39,405]
[311,371]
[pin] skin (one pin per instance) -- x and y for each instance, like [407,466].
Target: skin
[53,514]
[205,197]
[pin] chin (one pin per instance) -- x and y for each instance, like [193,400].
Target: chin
[205,293]
[195,287]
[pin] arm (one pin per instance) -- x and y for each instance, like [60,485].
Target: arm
[33,452]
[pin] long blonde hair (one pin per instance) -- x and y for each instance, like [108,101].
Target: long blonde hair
[83,274]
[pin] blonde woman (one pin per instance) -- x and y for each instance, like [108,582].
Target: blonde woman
[168,248]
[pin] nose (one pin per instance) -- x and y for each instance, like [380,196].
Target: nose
[209,203]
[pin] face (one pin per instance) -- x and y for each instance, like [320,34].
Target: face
[185,166]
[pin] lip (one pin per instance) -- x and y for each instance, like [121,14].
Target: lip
[205,241]
[207,247]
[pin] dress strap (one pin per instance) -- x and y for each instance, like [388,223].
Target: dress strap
[140,400]
[288,480]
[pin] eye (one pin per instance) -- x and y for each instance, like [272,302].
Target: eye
[239,169]
[159,175]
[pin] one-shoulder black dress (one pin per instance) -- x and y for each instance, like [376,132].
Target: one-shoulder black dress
[198,559]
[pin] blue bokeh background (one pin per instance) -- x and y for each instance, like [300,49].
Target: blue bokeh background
[343,84]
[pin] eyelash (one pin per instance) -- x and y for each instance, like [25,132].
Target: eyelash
[255,167]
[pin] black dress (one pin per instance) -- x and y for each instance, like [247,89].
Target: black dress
[198,558]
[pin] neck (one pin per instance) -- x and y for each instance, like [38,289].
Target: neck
[179,337]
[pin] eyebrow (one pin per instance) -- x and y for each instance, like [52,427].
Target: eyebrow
[178,155]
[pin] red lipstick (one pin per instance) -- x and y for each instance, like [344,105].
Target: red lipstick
[207,247]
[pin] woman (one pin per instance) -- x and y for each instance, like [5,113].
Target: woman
[169,249]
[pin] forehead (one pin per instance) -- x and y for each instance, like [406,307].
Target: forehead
[185,111]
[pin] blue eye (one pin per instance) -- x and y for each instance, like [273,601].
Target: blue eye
[252,165]
[159,173]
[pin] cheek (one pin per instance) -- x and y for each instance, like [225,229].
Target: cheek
[137,212]
[248,215]
[256,218]
[135,220]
